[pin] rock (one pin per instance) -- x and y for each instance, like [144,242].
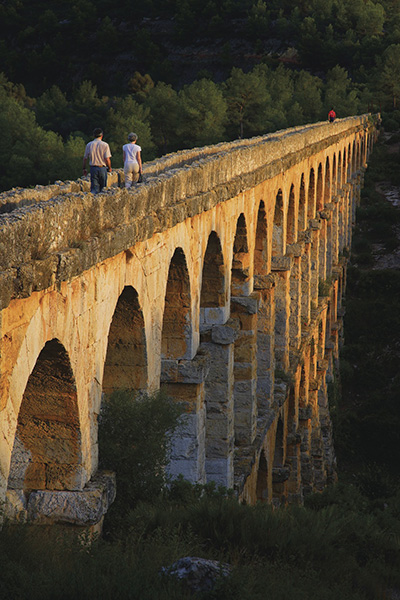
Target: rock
[199,574]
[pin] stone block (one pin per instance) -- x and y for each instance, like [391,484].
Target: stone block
[86,507]
[223,334]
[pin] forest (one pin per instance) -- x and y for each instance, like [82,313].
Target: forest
[183,73]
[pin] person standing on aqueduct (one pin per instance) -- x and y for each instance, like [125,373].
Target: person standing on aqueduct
[132,161]
[98,153]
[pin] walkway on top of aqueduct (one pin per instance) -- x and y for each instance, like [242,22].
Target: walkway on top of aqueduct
[220,277]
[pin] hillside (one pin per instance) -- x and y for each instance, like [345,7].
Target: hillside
[179,40]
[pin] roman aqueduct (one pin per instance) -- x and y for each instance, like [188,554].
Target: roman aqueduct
[220,278]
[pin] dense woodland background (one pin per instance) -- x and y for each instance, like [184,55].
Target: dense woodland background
[182,73]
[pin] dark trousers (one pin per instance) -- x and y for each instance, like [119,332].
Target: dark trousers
[98,179]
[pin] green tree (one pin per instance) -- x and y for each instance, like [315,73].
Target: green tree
[340,93]
[163,103]
[203,112]
[53,111]
[258,19]
[88,110]
[134,437]
[124,116]
[307,93]
[247,98]
[389,78]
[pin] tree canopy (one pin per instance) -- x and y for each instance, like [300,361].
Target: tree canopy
[183,73]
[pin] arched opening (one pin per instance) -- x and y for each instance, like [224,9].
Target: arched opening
[302,205]
[277,237]
[319,202]
[47,446]
[261,245]
[213,281]
[126,359]
[262,479]
[240,259]
[291,219]
[303,391]
[327,186]
[334,175]
[344,168]
[339,170]
[176,330]
[311,196]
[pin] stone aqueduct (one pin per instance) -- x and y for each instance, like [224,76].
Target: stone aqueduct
[220,278]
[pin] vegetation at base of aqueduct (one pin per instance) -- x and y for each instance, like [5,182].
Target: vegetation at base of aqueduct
[183,73]
[345,542]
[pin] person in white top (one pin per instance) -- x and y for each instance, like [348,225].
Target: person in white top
[98,153]
[132,161]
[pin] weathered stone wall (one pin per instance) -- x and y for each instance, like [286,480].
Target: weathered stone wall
[220,277]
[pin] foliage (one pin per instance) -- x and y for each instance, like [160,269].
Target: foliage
[134,436]
[341,545]
[368,416]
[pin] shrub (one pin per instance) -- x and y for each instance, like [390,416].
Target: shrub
[134,437]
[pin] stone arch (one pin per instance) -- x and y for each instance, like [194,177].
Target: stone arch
[125,366]
[327,182]
[291,218]
[240,259]
[176,329]
[262,479]
[354,155]
[213,288]
[47,451]
[339,170]
[277,237]
[319,199]
[311,195]
[261,263]
[302,205]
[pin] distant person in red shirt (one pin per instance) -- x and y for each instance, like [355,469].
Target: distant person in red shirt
[331,116]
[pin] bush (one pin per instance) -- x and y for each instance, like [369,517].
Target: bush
[134,437]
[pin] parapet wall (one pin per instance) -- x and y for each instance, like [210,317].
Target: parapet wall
[52,233]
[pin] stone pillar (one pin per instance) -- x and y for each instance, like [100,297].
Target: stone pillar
[326,434]
[306,284]
[282,268]
[293,463]
[265,342]
[347,215]
[220,405]
[183,380]
[305,430]
[295,298]
[322,248]
[328,215]
[244,311]
[315,227]
[334,242]
[341,242]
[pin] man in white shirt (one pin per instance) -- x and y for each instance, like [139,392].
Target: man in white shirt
[98,153]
